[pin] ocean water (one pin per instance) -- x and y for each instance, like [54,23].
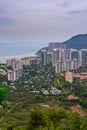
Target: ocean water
[13,50]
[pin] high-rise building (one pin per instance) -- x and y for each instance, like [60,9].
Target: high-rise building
[74,59]
[71,54]
[67,54]
[74,65]
[58,67]
[74,54]
[14,69]
[43,57]
[67,59]
[58,55]
[53,45]
[83,57]
[67,63]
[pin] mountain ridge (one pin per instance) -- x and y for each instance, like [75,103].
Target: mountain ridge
[78,41]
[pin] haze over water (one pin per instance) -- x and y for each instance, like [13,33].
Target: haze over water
[9,50]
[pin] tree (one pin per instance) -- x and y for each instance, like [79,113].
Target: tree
[55,115]
[76,121]
[37,119]
[3,92]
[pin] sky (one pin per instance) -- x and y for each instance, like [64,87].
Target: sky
[42,20]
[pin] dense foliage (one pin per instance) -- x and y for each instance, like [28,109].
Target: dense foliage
[32,109]
[3,92]
[48,119]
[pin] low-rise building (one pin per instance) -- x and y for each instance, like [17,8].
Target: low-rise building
[28,60]
[71,97]
[69,76]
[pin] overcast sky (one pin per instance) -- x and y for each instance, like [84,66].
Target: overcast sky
[42,20]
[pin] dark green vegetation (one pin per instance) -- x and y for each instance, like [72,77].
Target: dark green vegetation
[3,92]
[55,119]
[34,105]
[43,119]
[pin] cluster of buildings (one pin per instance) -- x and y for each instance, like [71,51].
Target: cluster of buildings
[15,67]
[62,58]
[67,59]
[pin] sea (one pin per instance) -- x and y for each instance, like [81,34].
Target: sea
[18,50]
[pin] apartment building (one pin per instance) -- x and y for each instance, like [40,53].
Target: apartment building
[14,71]
[68,59]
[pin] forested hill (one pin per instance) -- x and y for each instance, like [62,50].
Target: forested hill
[77,42]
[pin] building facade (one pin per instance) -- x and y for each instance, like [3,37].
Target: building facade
[43,57]
[14,71]
[53,45]
[68,59]
[28,60]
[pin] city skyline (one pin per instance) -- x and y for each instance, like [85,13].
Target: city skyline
[41,20]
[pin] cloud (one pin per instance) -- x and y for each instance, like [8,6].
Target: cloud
[66,4]
[77,11]
[6,21]
[41,20]
[74,6]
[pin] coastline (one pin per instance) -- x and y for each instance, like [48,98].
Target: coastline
[4,58]
[18,50]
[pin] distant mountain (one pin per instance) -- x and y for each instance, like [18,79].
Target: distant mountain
[77,42]
[41,50]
